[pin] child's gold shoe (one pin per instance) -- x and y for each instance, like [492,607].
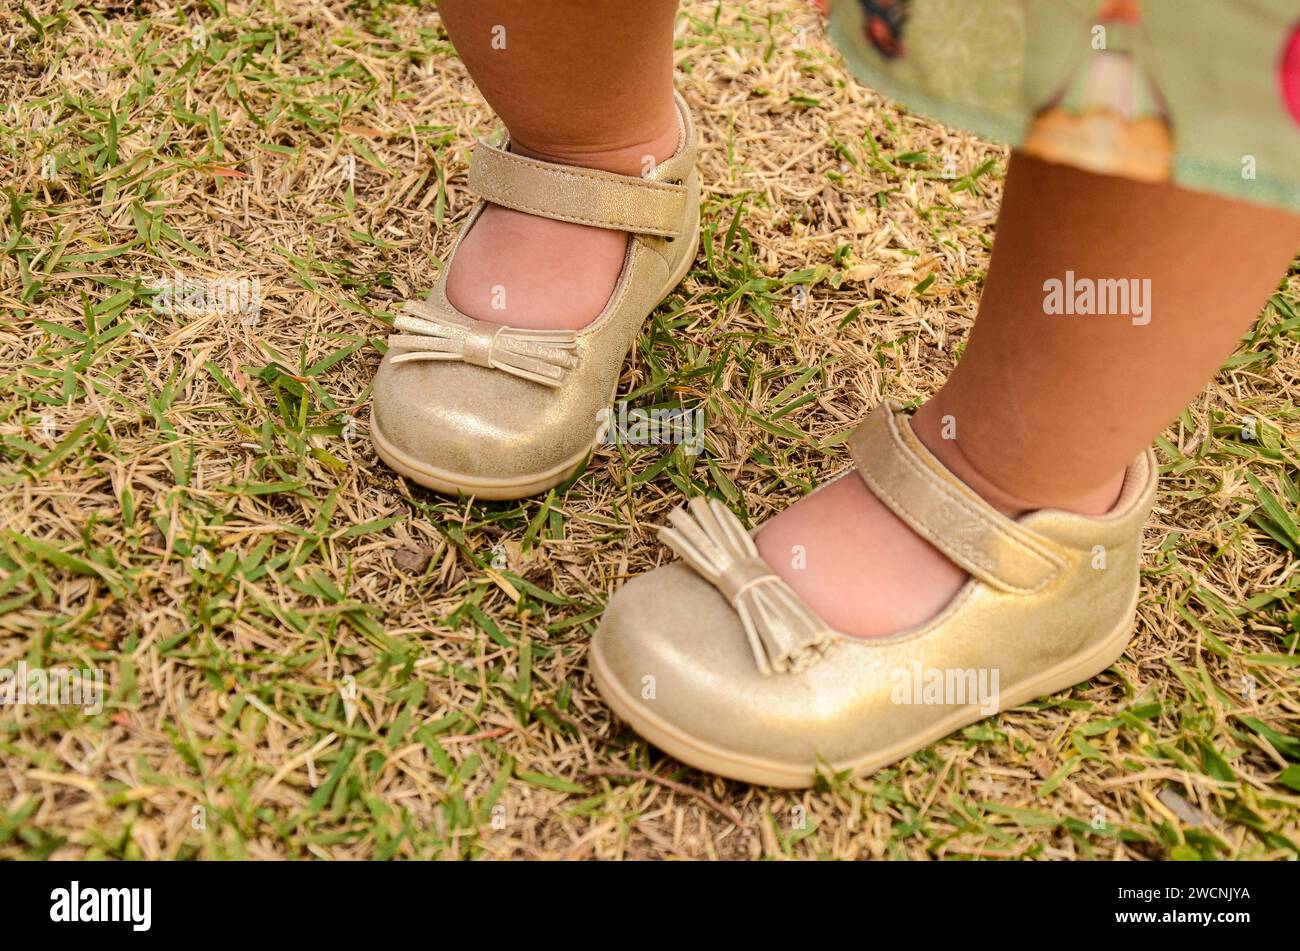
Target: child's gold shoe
[471,407]
[715,660]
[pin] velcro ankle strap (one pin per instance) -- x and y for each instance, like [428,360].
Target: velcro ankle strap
[942,509]
[582,195]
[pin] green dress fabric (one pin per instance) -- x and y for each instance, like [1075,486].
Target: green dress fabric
[1201,93]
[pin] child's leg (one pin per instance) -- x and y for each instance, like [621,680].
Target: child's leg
[1048,409]
[579,82]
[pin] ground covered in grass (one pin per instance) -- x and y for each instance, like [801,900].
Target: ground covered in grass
[307,656]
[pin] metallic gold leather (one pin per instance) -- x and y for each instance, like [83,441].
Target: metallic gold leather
[942,509]
[783,633]
[427,333]
[672,643]
[481,423]
[582,195]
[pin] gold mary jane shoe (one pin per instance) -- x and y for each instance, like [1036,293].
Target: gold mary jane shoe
[476,408]
[715,660]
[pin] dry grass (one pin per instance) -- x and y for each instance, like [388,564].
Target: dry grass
[340,671]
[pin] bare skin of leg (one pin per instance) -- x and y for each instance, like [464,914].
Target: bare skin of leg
[1048,410]
[578,82]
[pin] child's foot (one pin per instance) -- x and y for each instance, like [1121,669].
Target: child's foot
[712,661]
[523,271]
[861,568]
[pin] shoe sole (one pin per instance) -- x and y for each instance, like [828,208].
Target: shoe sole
[760,772]
[448,482]
[457,483]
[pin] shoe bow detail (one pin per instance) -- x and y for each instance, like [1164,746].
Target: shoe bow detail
[430,333]
[784,634]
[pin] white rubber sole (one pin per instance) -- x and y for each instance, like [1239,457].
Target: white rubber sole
[458,483]
[765,772]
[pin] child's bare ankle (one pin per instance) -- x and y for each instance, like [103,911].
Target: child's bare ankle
[938,432]
[636,157]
